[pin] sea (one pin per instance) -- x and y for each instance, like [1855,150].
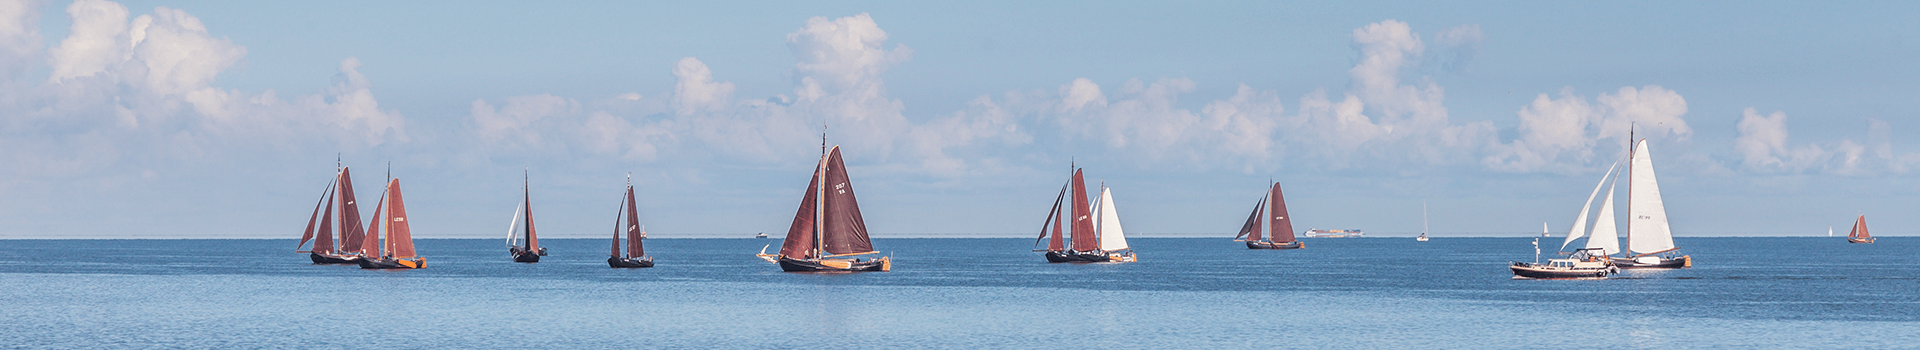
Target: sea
[1376,293]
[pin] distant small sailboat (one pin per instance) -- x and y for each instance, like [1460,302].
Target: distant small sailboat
[1282,224]
[1859,234]
[828,228]
[531,251]
[350,233]
[636,254]
[1423,223]
[762,235]
[397,252]
[1089,243]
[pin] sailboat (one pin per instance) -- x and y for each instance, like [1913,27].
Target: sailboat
[1423,223]
[636,254]
[522,229]
[1649,238]
[828,229]
[1591,261]
[323,251]
[1859,234]
[397,252]
[1089,243]
[1282,225]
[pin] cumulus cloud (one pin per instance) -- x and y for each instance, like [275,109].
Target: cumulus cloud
[137,92]
[1458,46]
[1568,134]
[837,84]
[19,37]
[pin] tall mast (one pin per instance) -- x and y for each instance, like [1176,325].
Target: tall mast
[820,199]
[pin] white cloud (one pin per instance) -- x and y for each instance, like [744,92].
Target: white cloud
[1459,46]
[1565,135]
[19,37]
[137,93]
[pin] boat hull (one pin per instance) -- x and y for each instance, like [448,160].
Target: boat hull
[521,256]
[333,259]
[390,263]
[1531,271]
[626,263]
[1276,245]
[1088,257]
[1682,262]
[883,264]
[1860,240]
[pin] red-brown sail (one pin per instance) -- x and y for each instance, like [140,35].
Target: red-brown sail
[399,237]
[533,241]
[1859,229]
[1282,224]
[370,247]
[634,248]
[799,242]
[351,233]
[615,250]
[1252,228]
[846,232]
[311,219]
[1083,239]
[324,242]
[1057,243]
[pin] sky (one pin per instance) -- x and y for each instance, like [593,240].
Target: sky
[200,119]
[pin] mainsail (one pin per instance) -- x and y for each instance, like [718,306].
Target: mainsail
[634,249]
[1083,234]
[1282,224]
[399,236]
[1112,237]
[525,221]
[1859,229]
[325,242]
[1580,222]
[829,218]
[1647,230]
[845,232]
[351,231]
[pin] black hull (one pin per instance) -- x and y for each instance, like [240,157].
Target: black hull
[389,263]
[817,265]
[1524,270]
[330,259]
[1273,245]
[625,263]
[525,257]
[1859,240]
[1077,257]
[1682,262]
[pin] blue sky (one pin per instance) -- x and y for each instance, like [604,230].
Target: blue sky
[167,119]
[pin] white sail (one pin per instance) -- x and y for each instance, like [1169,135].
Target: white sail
[1605,236]
[1647,230]
[512,232]
[1580,222]
[1112,238]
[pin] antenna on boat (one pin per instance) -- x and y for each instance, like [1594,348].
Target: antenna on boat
[1536,250]
[336,162]
[629,179]
[823,138]
[389,171]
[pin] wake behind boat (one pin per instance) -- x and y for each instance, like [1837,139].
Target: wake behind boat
[1859,234]
[529,250]
[1282,224]
[828,228]
[636,254]
[397,252]
[350,232]
[1097,235]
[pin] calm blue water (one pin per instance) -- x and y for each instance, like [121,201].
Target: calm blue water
[1184,293]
